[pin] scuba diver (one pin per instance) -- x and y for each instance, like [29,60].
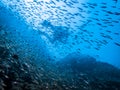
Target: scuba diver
[60,33]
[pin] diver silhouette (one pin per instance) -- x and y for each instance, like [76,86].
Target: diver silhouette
[60,33]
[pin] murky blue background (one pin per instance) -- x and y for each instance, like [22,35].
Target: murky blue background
[55,28]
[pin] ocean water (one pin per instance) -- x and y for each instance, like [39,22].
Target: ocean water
[59,45]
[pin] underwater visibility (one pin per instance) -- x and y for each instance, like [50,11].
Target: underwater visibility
[59,44]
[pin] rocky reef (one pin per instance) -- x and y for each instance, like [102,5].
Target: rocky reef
[74,72]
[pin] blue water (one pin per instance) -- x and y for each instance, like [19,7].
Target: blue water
[44,31]
[88,27]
